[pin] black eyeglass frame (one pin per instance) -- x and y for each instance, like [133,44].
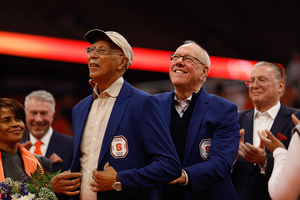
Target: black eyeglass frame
[89,50]
[183,57]
[258,82]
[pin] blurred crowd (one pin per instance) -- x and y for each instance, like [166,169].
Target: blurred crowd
[235,91]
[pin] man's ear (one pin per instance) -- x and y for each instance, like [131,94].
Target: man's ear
[123,63]
[204,74]
[53,115]
[281,85]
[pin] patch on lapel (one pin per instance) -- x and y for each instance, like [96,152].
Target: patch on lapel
[119,147]
[204,147]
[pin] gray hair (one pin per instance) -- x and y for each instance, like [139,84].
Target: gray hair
[278,72]
[41,95]
[204,53]
[276,68]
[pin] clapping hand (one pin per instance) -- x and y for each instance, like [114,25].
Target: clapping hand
[251,153]
[272,142]
[27,145]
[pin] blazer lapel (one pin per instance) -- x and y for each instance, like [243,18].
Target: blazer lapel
[248,137]
[200,108]
[115,118]
[79,123]
[166,105]
[54,141]
[281,120]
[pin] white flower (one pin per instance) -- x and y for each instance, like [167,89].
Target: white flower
[38,185]
[15,197]
[31,196]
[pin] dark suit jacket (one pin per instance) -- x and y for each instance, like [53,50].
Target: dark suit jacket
[213,118]
[45,162]
[151,159]
[62,145]
[249,183]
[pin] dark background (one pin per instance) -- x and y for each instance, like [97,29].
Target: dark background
[254,30]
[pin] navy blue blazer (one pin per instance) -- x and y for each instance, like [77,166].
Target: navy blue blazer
[248,182]
[137,120]
[62,145]
[214,120]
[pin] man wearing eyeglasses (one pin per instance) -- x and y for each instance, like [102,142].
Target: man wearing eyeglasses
[122,146]
[204,129]
[254,165]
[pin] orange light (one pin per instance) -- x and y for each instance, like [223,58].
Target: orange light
[48,48]
[66,50]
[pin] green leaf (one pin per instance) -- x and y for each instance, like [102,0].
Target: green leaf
[40,181]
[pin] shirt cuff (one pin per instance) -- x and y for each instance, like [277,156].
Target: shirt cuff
[279,150]
[186,179]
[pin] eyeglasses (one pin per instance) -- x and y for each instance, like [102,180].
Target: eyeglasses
[260,82]
[100,51]
[186,59]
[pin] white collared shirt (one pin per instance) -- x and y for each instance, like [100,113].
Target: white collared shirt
[263,121]
[93,134]
[45,139]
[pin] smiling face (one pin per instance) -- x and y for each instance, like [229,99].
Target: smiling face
[188,77]
[265,95]
[11,129]
[106,69]
[39,117]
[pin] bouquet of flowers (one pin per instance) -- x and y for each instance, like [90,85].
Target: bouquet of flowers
[36,187]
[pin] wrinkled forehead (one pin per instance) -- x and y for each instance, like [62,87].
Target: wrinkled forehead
[189,49]
[262,71]
[36,103]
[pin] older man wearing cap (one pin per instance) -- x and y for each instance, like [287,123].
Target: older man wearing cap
[122,148]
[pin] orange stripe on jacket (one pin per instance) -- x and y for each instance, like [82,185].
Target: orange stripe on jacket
[29,160]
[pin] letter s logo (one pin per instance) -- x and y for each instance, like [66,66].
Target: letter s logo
[119,147]
[204,148]
[207,148]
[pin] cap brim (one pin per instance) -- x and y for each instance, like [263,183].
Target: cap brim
[92,35]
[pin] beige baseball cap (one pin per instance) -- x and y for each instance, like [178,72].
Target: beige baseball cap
[115,37]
